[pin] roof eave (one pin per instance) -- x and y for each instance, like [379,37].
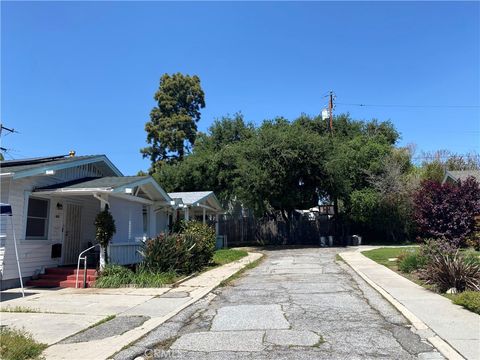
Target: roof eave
[55,167]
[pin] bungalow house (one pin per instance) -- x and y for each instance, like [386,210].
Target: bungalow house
[56,199]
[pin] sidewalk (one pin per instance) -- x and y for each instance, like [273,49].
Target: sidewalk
[62,313]
[445,324]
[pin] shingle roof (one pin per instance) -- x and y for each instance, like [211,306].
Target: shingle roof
[464,174]
[190,197]
[110,182]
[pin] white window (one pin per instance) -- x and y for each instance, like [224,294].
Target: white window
[37,219]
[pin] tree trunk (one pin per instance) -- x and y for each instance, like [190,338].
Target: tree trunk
[103,257]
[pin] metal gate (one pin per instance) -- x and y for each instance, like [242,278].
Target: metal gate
[72,237]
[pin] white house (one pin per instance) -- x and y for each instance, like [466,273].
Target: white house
[55,201]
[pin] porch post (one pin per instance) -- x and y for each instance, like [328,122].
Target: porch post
[187,214]
[217,225]
[204,213]
[103,203]
[153,221]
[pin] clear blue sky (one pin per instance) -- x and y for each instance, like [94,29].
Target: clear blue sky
[82,75]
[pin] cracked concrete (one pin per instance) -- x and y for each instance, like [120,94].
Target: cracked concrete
[297,304]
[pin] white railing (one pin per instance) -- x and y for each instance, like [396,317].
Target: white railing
[126,253]
[84,258]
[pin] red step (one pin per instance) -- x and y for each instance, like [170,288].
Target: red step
[63,277]
[46,283]
[68,271]
[67,277]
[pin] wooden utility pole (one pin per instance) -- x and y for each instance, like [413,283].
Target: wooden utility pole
[330,110]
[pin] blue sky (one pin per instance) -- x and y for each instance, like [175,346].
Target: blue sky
[82,75]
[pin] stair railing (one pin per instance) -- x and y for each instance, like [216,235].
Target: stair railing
[84,258]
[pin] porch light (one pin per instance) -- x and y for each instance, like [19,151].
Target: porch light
[50,172]
[128,190]
[172,202]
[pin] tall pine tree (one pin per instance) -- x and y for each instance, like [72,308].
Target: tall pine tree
[172,129]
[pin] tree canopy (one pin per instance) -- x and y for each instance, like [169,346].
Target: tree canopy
[172,129]
[282,165]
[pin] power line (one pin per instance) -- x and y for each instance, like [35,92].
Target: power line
[412,106]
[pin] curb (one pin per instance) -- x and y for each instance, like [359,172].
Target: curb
[441,345]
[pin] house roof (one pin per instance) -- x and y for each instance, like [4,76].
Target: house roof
[112,184]
[194,197]
[190,197]
[35,166]
[461,175]
[108,182]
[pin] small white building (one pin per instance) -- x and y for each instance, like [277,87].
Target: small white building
[55,201]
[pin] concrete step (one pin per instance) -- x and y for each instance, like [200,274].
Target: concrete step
[68,271]
[48,283]
[62,277]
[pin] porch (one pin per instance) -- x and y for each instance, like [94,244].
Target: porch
[133,202]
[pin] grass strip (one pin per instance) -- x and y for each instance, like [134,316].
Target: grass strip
[19,345]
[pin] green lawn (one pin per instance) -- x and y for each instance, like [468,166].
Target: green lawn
[19,345]
[224,256]
[468,299]
[382,255]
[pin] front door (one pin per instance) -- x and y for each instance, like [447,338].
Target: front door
[72,239]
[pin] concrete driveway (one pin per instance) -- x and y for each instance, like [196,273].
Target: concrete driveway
[298,304]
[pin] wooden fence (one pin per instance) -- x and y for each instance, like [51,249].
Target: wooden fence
[300,231]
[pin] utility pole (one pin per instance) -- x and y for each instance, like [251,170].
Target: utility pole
[2,149]
[330,109]
[327,113]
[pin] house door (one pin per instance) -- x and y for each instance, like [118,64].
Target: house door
[72,236]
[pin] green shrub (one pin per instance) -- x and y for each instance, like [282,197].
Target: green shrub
[410,261]
[165,253]
[201,240]
[468,299]
[184,252]
[18,345]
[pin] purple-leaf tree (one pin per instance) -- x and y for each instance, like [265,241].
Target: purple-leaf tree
[447,210]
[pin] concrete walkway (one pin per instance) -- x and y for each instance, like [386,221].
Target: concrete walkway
[442,322]
[60,313]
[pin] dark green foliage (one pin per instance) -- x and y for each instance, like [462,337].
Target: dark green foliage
[280,166]
[18,345]
[202,239]
[172,129]
[104,229]
[184,252]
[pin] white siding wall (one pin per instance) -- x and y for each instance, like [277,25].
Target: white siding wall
[90,209]
[128,220]
[35,254]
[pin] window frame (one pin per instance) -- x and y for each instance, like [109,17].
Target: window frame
[46,219]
